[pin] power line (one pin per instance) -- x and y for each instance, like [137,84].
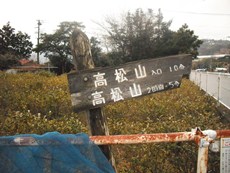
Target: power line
[200,13]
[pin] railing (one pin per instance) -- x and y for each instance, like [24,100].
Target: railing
[204,139]
[215,84]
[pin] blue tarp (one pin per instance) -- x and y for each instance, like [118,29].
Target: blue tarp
[51,153]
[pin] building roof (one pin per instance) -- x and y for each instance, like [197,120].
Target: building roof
[30,65]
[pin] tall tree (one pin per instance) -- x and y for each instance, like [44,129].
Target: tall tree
[7,61]
[99,58]
[137,35]
[56,46]
[142,35]
[186,41]
[14,43]
[13,46]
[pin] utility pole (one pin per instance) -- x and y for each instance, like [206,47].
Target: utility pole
[39,24]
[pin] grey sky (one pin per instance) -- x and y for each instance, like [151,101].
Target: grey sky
[208,18]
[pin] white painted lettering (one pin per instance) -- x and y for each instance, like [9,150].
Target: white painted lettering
[181,67]
[100,80]
[157,72]
[140,72]
[120,75]
[176,68]
[135,91]
[155,88]
[116,94]
[97,98]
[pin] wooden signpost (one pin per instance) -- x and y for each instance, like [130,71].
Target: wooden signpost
[97,87]
[91,88]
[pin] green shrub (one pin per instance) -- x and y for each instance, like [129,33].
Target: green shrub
[35,92]
[28,123]
[35,103]
[45,73]
[176,110]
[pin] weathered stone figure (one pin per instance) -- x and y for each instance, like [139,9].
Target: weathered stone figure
[82,60]
[81,50]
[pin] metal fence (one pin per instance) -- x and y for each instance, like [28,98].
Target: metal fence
[215,84]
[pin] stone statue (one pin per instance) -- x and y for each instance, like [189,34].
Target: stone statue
[81,50]
[82,59]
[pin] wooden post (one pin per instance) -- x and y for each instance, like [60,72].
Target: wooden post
[82,59]
[98,126]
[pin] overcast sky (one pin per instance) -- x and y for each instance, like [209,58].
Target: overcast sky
[208,18]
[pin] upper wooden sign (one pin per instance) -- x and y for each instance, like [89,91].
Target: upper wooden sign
[100,86]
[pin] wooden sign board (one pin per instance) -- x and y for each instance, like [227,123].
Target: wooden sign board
[100,86]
